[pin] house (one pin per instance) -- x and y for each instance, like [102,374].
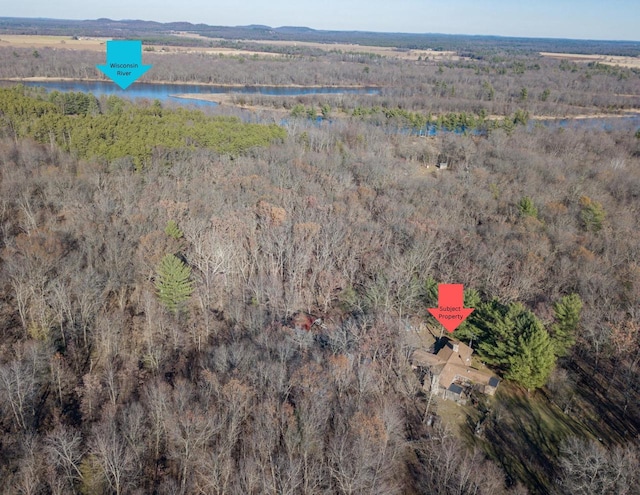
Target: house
[450,372]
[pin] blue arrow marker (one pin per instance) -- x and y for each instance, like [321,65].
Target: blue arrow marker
[124,62]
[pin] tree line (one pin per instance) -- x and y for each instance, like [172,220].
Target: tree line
[497,85]
[76,124]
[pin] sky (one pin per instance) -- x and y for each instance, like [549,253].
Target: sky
[580,19]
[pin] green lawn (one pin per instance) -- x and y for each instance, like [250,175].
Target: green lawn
[523,433]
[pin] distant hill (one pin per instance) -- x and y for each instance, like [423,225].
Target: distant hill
[151,30]
[256,26]
[294,30]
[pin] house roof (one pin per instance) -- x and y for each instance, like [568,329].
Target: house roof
[423,358]
[461,356]
[451,363]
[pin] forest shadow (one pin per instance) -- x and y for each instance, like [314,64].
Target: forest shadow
[523,433]
[601,396]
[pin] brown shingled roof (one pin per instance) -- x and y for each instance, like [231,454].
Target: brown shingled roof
[452,364]
[461,357]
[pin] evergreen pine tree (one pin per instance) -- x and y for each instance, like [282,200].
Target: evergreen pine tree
[471,298]
[527,207]
[567,315]
[172,283]
[535,359]
[496,328]
[431,292]
[514,340]
[172,230]
[466,331]
[592,214]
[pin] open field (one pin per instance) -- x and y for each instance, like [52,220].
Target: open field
[630,62]
[344,47]
[376,50]
[523,433]
[162,49]
[97,44]
[66,42]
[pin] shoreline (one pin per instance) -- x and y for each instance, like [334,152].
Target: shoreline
[632,112]
[193,83]
[226,98]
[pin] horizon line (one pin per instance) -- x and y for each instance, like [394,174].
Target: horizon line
[254,25]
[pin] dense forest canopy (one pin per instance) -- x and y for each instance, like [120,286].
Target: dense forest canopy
[76,123]
[200,302]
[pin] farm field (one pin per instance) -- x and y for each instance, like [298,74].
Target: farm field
[40,41]
[98,44]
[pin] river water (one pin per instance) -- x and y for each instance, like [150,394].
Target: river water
[166,92]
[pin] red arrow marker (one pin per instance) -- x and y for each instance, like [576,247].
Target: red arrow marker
[450,311]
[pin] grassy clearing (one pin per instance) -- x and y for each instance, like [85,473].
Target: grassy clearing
[97,44]
[62,42]
[454,416]
[523,433]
